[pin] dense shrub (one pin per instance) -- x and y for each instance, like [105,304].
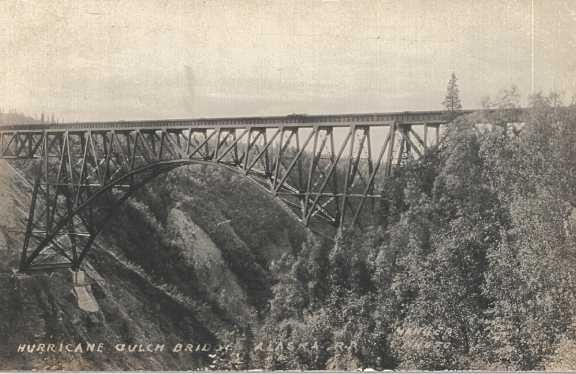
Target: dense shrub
[470,267]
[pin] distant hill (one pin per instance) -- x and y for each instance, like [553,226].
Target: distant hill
[14,118]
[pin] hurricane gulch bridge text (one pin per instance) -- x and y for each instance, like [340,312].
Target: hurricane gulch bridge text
[325,168]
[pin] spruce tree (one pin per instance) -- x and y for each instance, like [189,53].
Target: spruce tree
[452,99]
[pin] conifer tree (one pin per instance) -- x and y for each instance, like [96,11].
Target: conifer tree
[452,99]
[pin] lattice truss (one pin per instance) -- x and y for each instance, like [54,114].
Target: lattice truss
[322,173]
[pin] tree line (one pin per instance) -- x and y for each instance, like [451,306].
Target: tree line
[469,267]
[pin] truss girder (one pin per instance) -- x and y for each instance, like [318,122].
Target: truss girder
[321,172]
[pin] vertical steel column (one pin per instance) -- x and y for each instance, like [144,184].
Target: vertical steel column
[278,158]
[30,223]
[347,176]
[334,176]
[390,158]
[311,171]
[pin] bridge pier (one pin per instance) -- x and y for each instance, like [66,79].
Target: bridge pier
[83,292]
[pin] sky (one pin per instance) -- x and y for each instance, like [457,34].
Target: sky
[151,59]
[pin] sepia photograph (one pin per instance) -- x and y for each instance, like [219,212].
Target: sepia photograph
[301,185]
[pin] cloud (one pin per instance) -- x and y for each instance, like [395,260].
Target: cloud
[131,59]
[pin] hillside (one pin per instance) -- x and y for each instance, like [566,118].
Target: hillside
[183,262]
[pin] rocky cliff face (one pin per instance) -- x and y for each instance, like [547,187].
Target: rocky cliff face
[186,261]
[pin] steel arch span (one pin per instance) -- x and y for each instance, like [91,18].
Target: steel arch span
[325,168]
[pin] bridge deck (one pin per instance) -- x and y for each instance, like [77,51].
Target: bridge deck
[293,120]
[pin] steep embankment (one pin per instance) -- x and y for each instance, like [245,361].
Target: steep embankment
[185,261]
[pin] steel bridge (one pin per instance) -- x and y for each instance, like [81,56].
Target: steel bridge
[323,167]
